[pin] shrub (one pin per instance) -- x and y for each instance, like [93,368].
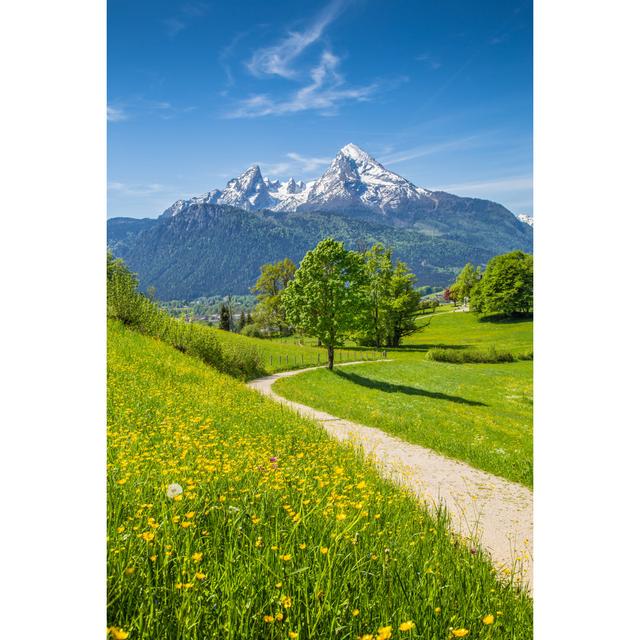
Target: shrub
[127,304]
[252,330]
[491,355]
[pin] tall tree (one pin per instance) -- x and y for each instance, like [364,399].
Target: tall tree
[378,272]
[273,279]
[467,279]
[225,318]
[402,305]
[506,286]
[326,298]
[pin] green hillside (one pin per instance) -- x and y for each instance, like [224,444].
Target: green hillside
[279,532]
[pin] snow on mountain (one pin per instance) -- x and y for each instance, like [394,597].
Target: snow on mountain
[523,217]
[354,180]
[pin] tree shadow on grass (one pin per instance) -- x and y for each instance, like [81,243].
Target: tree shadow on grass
[387,387]
[498,318]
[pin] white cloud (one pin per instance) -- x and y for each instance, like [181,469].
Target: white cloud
[277,59]
[419,152]
[296,165]
[137,189]
[115,114]
[325,91]
[498,185]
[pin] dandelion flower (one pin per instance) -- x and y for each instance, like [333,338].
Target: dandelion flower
[200,575]
[355,612]
[279,616]
[118,634]
[197,557]
[293,635]
[324,550]
[460,633]
[174,490]
[268,619]
[147,536]
[341,516]
[190,515]
[285,557]
[384,633]
[407,626]
[120,529]
[286,602]
[129,571]
[488,619]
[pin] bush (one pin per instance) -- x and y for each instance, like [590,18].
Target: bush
[491,356]
[127,304]
[252,331]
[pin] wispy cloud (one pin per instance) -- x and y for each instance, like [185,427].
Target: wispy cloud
[116,114]
[500,184]
[397,157]
[137,190]
[325,91]
[131,108]
[430,60]
[277,59]
[187,11]
[295,165]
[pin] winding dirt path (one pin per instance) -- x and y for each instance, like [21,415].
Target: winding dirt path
[486,510]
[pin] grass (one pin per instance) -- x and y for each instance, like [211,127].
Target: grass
[478,413]
[283,354]
[280,532]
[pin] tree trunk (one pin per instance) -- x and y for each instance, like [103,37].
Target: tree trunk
[330,356]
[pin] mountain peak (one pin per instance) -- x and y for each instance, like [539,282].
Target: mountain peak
[354,152]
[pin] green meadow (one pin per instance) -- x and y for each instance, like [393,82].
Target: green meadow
[231,517]
[479,413]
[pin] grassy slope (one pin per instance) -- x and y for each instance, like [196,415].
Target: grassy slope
[480,413]
[286,354]
[262,525]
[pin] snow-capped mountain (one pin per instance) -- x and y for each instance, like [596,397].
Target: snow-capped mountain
[354,180]
[523,217]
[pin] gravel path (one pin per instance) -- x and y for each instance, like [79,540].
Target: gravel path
[487,510]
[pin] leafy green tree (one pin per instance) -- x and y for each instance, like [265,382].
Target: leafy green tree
[467,279]
[326,298]
[273,279]
[391,299]
[402,304]
[506,286]
[225,317]
[378,270]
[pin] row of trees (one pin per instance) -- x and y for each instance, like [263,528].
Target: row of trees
[337,294]
[505,286]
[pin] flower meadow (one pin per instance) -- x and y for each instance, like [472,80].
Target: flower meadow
[230,516]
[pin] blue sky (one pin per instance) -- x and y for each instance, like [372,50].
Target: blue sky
[438,91]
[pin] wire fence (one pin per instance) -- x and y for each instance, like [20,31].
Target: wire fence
[318,359]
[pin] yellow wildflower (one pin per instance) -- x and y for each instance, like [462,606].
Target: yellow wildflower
[197,557]
[279,616]
[324,550]
[129,571]
[285,557]
[303,546]
[488,619]
[268,619]
[147,536]
[200,575]
[191,514]
[407,626]
[460,633]
[120,529]
[293,635]
[384,633]
[286,602]
[118,634]
[355,612]
[341,516]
